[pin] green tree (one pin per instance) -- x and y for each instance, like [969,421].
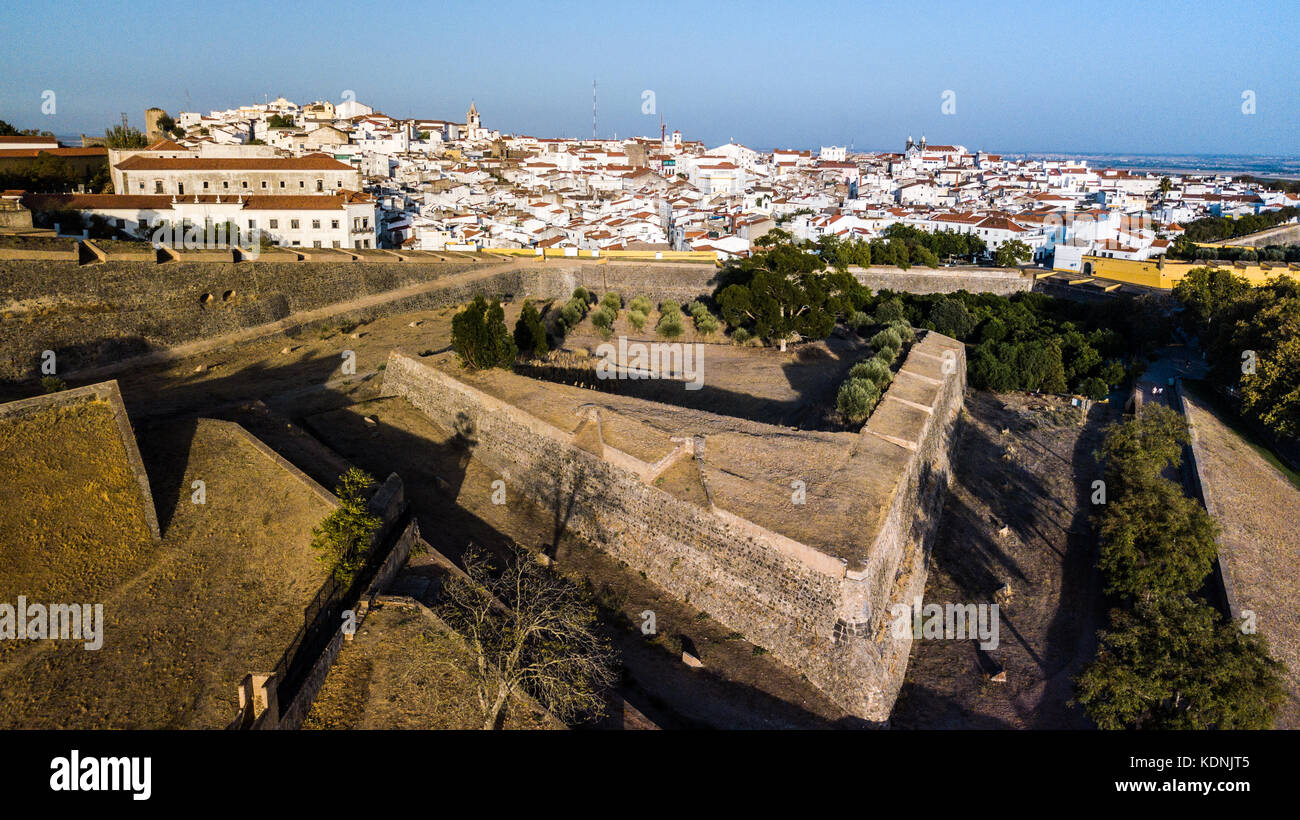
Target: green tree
[1012,253]
[125,137]
[342,541]
[530,332]
[856,399]
[1173,664]
[951,318]
[1155,540]
[479,336]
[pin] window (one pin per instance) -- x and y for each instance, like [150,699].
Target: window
[316,244]
[244,184]
[365,223]
[338,184]
[252,223]
[336,243]
[144,223]
[205,185]
[180,188]
[320,184]
[293,223]
[281,183]
[334,223]
[302,183]
[295,242]
[225,186]
[356,223]
[263,185]
[275,223]
[315,224]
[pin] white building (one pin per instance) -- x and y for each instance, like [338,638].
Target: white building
[344,220]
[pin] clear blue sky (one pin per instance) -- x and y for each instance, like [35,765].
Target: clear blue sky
[1094,76]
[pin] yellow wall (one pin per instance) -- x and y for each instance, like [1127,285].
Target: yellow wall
[558,253]
[1151,276]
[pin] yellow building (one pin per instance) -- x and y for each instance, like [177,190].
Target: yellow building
[1165,275]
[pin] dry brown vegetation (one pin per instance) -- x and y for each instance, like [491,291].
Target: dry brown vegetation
[222,595]
[406,669]
[1259,511]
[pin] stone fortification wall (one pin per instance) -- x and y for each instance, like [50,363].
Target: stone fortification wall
[822,616]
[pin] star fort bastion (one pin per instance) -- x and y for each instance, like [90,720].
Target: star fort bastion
[710,508]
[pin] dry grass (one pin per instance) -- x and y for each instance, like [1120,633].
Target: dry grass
[1258,508]
[406,669]
[223,595]
[72,521]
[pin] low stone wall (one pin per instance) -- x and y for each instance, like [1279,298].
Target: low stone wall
[92,315]
[810,610]
[1002,281]
[293,714]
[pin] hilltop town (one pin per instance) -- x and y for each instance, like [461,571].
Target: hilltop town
[362,179]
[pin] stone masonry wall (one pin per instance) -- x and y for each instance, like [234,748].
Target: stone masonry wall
[786,597]
[98,314]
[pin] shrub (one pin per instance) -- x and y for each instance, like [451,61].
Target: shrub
[53,384]
[670,308]
[640,303]
[582,293]
[612,301]
[859,321]
[886,355]
[571,314]
[530,332]
[706,324]
[905,331]
[873,370]
[888,338]
[890,310]
[856,399]
[671,325]
[603,317]
[637,318]
[479,336]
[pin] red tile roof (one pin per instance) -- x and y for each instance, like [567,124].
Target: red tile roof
[311,162]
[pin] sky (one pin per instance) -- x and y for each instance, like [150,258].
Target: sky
[1094,77]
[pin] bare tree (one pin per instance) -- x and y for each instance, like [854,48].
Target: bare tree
[531,631]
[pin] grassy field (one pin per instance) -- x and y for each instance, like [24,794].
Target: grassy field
[1258,506]
[1228,418]
[72,520]
[222,595]
[406,669]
